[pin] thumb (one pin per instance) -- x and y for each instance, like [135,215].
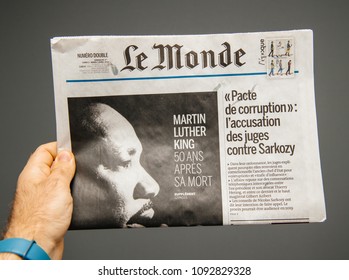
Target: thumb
[63,168]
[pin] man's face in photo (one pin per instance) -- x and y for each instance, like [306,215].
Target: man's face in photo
[121,186]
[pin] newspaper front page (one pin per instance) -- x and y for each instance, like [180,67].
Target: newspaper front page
[189,130]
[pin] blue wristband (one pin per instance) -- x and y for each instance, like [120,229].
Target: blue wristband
[27,249]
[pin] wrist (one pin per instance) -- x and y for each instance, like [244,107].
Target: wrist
[43,243]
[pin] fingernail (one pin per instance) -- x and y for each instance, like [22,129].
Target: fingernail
[64,156]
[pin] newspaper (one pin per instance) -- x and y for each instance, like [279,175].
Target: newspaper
[189,130]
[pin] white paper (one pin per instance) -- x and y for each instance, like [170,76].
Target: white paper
[223,128]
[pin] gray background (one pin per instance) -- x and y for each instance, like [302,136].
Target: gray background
[27,115]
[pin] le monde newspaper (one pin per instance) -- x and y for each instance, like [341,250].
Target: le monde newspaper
[189,130]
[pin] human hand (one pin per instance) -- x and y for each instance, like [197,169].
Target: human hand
[43,205]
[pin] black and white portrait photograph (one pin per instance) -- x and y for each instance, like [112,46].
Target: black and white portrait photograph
[146,160]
